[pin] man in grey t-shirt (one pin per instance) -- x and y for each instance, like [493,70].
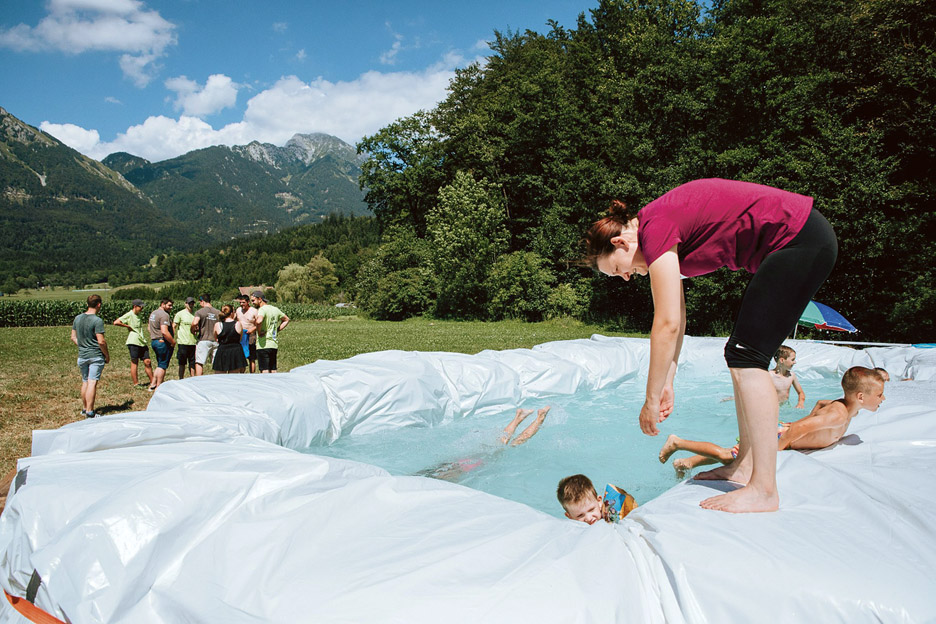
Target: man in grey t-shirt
[203,326]
[88,334]
[161,339]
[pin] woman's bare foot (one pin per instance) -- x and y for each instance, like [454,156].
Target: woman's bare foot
[518,418]
[745,500]
[669,447]
[682,466]
[732,472]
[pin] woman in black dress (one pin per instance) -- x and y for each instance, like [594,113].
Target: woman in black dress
[229,358]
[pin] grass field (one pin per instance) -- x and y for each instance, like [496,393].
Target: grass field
[70,294]
[39,380]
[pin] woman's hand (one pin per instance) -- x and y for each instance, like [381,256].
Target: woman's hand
[667,402]
[649,417]
[652,413]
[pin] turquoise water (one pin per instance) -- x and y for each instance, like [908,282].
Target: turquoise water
[595,434]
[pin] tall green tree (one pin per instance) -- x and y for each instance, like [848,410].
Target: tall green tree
[466,231]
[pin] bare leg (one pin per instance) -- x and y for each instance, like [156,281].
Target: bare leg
[148,368]
[530,431]
[685,464]
[756,463]
[199,369]
[88,394]
[159,377]
[133,373]
[518,418]
[707,449]
[727,472]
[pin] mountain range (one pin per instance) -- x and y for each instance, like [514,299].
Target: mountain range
[66,218]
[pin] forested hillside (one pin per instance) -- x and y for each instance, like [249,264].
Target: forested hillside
[257,260]
[66,219]
[483,200]
[225,192]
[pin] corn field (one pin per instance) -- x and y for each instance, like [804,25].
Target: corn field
[52,313]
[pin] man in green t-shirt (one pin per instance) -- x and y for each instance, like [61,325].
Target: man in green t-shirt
[186,341]
[270,321]
[88,333]
[136,342]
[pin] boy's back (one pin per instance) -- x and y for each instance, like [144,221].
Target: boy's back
[828,421]
[823,426]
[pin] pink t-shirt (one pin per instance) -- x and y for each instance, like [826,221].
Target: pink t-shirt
[720,223]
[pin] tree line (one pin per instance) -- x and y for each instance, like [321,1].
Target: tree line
[482,201]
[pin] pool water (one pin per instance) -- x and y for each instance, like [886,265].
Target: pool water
[595,434]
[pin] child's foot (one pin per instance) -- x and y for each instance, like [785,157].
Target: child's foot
[669,447]
[745,500]
[732,472]
[682,467]
[518,418]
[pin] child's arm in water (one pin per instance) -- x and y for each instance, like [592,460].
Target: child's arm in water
[799,391]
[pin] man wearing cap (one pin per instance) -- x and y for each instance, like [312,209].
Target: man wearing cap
[203,326]
[136,342]
[270,321]
[182,323]
[161,339]
[247,316]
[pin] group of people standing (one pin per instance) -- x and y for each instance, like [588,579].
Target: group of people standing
[230,339]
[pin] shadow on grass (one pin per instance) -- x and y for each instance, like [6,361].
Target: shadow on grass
[109,409]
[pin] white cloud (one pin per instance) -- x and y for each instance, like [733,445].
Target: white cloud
[219,92]
[73,136]
[112,100]
[76,26]
[280,27]
[349,110]
[301,55]
[389,57]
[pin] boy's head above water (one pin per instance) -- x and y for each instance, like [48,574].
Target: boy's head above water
[865,386]
[577,496]
[785,357]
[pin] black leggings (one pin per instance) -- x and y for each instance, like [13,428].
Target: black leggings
[779,292]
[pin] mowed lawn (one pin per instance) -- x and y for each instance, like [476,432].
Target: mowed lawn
[39,379]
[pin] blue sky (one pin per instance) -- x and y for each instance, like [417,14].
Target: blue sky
[161,78]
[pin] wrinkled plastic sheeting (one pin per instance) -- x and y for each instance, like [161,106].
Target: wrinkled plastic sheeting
[188,512]
[196,423]
[922,366]
[297,404]
[853,541]
[248,532]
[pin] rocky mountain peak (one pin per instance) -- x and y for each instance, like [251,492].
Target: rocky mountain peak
[311,147]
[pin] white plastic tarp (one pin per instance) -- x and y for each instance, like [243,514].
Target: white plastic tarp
[194,511]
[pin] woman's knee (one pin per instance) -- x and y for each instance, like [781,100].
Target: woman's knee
[741,355]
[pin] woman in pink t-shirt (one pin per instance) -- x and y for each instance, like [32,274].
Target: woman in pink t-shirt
[695,229]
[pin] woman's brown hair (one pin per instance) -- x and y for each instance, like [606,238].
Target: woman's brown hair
[599,235]
[227,311]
